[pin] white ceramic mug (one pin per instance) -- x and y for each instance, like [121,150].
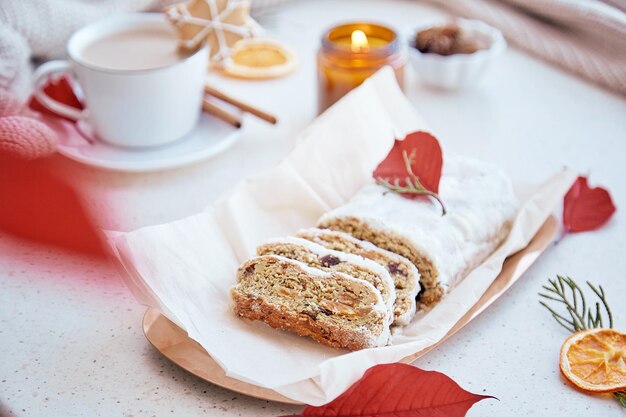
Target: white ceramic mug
[133,108]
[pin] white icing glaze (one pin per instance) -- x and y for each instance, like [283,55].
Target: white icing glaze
[368,246]
[404,319]
[360,261]
[378,307]
[480,203]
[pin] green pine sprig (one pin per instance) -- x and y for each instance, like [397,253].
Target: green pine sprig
[564,290]
[578,314]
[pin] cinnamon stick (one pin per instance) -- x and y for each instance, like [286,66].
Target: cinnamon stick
[220,113]
[243,106]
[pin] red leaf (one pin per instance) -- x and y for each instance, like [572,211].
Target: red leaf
[426,161]
[42,206]
[399,390]
[61,90]
[586,209]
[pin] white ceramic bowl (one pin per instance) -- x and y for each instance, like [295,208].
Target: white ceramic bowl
[456,71]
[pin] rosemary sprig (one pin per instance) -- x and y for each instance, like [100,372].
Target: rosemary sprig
[564,290]
[412,183]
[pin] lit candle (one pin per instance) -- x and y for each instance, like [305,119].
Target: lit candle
[350,53]
[359,42]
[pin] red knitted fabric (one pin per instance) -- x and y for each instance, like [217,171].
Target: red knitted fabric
[26,138]
[22,135]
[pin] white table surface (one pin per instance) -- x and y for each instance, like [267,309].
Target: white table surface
[71,342]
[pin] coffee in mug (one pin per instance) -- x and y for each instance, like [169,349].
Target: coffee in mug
[139,48]
[138,89]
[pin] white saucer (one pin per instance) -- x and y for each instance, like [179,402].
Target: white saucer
[210,137]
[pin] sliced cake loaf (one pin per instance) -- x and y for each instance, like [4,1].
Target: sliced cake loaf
[317,256]
[331,307]
[481,207]
[402,271]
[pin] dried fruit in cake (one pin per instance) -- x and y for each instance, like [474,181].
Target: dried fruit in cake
[317,256]
[331,307]
[402,271]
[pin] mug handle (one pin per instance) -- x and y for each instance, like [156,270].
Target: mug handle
[40,76]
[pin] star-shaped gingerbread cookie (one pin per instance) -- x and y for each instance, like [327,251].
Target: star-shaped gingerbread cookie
[220,23]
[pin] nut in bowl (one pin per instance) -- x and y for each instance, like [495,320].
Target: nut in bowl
[453,54]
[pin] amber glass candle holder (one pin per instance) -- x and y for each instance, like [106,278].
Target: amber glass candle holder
[350,53]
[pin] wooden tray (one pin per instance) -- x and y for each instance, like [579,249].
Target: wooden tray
[173,342]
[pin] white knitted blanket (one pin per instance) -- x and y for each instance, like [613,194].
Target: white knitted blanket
[39,29]
[586,37]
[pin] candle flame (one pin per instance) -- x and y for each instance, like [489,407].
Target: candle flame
[359,41]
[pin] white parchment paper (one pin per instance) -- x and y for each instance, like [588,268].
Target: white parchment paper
[185,268]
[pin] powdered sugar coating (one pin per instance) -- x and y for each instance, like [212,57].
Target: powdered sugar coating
[378,308]
[379,305]
[368,250]
[481,206]
[357,260]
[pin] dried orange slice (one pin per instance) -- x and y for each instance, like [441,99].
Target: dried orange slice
[259,58]
[595,360]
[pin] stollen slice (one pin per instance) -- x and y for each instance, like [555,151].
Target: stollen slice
[402,271]
[331,307]
[317,256]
